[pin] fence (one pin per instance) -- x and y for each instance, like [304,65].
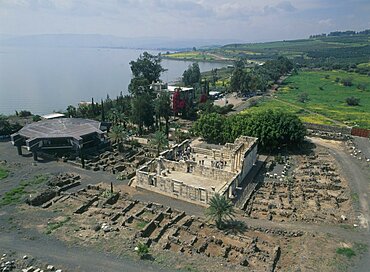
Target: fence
[361,132]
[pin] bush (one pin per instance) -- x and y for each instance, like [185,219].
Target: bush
[348,252]
[303,97]
[24,113]
[361,87]
[347,82]
[142,250]
[36,118]
[352,101]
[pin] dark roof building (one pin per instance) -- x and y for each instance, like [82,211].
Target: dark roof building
[73,134]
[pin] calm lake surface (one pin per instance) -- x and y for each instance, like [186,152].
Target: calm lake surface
[45,79]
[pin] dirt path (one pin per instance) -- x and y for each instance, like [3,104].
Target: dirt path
[355,174]
[52,251]
[359,179]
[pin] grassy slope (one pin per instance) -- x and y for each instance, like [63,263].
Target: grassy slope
[293,48]
[329,102]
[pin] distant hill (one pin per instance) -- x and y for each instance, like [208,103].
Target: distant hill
[334,50]
[96,40]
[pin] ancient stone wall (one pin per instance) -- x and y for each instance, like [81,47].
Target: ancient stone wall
[327,128]
[175,188]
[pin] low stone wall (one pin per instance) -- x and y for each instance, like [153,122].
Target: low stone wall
[327,128]
[174,188]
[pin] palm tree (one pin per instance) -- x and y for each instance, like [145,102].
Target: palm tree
[118,135]
[159,141]
[219,209]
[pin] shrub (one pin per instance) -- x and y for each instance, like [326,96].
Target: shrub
[352,101]
[348,252]
[347,82]
[142,250]
[36,118]
[361,87]
[303,97]
[24,113]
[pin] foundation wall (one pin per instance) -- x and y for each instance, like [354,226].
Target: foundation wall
[243,153]
[174,188]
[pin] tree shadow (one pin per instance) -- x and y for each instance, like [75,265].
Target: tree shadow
[235,226]
[147,257]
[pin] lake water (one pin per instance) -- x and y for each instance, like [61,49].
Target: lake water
[45,79]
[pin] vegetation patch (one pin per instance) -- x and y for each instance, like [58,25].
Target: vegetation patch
[327,105]
[52,226]
[15,195]
[346,251]
[141,224]
[192,55]
[3,173]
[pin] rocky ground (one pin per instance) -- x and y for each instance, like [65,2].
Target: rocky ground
[87,228]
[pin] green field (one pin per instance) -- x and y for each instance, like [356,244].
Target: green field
[191,55]
[271,103]
[326,97]
[320,51]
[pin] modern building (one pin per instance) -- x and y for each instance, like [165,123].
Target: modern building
[195,172]
[54,115]
[66,135]
[183,95]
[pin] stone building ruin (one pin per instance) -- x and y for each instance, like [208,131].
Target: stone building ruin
[195,172]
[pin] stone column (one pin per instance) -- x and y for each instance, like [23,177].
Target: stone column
[19,149]
[232,163]
[34,153]
[230,191]
[158,167]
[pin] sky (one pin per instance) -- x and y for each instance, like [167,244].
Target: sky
[239,20]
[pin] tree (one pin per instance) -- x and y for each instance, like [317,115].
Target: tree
[142,250]
[147,66]
[5,126]
[272,128]
[71,111]
[138,86]
[163,109]
[191,75]
[238,78]
[178,103]
[159,141]
[142,111]
[210,127]
[352,101]
[220,208]
[118,135]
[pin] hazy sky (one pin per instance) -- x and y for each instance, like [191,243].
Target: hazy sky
[246,20]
